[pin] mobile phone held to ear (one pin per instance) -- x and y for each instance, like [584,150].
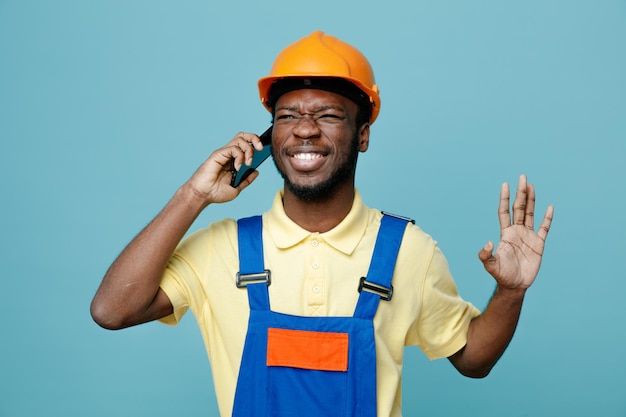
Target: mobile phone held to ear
[257,158]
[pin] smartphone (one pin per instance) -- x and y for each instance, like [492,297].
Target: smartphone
[257,158]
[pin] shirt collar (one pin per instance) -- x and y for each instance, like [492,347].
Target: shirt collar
[344,237]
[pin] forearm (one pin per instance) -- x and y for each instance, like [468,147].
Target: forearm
[514,266]
[129,288]
[129,293]
[490,333]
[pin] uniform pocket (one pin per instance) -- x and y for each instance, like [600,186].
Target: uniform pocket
[323,351]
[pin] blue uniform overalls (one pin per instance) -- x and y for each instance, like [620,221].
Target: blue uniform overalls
[311,366]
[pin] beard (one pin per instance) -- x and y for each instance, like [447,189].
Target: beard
[327,188]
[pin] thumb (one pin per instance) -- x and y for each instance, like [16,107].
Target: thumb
[486,256]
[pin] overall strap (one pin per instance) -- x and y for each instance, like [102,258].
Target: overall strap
[377,284]
[252,273]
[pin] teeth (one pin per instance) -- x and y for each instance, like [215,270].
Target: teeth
[307,156]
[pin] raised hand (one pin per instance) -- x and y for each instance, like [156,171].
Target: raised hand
[211,181]
[130,291]
[517,259]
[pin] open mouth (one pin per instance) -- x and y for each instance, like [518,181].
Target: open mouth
[307,156]
[307,161]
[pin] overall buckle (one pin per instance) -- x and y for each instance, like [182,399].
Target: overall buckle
[255,278]
[406,219]
[384,292]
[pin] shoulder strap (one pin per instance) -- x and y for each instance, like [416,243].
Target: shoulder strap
[252,273]
[377,284]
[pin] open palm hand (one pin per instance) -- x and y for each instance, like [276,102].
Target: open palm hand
[517,259]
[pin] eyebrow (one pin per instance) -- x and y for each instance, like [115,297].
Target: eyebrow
[316,110]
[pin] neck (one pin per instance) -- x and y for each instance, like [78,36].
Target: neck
[319,215]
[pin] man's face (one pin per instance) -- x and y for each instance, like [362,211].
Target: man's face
[315,142]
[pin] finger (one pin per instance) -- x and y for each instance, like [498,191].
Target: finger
[504,214]
[241,149]
[231,156]
[253,139]
[529,218]
[249,140]
[248,180]
[235,155]
[521,199]
[486,252]
[248,143]
[226,157]
[546,223]
[486,257]
[244,141]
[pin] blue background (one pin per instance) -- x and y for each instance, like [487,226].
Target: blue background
[106,107]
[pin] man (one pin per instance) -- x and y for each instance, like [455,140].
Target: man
[323,332]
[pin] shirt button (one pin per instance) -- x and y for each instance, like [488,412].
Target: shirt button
[316,289]
[316,265]
[314,243]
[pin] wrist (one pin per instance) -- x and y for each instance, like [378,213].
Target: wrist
[510,293]
[191,198]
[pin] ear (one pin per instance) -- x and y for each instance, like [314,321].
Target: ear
[364,137]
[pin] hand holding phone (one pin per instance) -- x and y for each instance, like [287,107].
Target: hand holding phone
[257,158]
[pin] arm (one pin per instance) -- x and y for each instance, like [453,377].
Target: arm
[514,266]
[129,293]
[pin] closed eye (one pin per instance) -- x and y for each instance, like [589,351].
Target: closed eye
[330,118]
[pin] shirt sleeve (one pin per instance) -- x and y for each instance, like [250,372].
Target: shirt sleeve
[444,317]
[182,273]
[173,287]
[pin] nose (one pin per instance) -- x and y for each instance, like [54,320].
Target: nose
[306,128]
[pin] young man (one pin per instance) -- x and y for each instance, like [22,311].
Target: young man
[307,309]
